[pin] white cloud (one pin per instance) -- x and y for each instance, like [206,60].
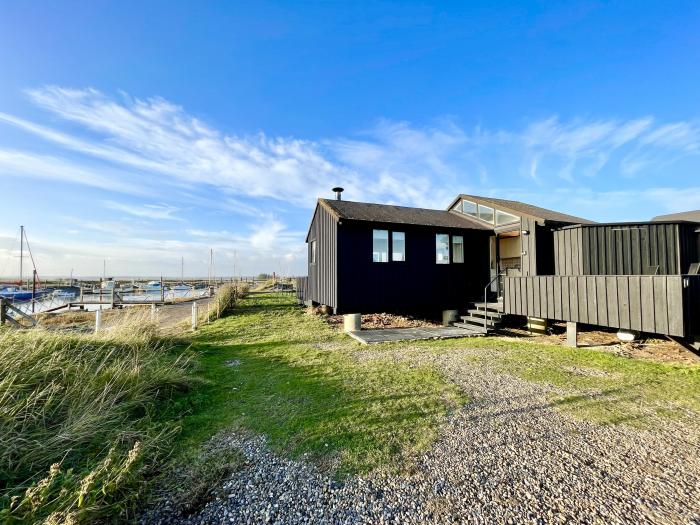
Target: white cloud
[149,211]
[31,165]
[152,147]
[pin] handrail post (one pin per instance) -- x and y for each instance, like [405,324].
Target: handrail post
[486,288]
[3,311]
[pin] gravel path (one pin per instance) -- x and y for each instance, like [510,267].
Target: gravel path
[507,457]
[172,315]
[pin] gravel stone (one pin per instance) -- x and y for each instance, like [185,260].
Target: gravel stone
[507,457]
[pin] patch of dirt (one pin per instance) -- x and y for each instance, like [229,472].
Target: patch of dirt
[379,321]
[646,347]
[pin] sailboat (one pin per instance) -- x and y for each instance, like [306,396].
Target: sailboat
[182,287]
[16,293]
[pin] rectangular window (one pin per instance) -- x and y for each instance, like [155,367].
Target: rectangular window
[442,248]
[469,208]
[505,218]
[313,252]
[380,246]
[398,246]
[486,213]
[457,249]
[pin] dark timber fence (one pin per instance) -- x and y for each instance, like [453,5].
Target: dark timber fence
[626,249]
[302,288]
[661,304]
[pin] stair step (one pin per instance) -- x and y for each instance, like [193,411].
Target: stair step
[489,313]
[494,307]
[473,328]
[480,320]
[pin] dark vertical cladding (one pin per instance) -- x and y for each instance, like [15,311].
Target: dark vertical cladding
[625,249]
[417,284]
[323,283]
[528,244]
[662,304]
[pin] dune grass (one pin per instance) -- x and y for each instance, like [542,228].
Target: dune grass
[79,430]
[272,369]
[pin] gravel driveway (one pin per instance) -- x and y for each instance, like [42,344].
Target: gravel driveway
[506,457]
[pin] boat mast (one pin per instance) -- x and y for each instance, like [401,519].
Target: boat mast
[21,253]
[182,269]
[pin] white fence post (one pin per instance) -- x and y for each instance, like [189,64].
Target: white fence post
[98,320]
[153,311]
[194,315]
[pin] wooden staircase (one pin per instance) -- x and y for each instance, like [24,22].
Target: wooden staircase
[482,317]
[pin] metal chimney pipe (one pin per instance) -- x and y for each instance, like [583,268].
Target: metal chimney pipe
[338,190]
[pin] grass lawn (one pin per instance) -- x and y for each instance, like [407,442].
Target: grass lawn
[593,384]
[272,369]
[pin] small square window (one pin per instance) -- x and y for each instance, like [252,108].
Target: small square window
[398,246]
[457,249]
[442,248]
[380,246]
[313,251]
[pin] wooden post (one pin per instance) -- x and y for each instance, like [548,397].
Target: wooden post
[162,290]
[98,320]
[571,334]
[352,322]
[112,299]
[33,290]
[3,311]
[194,315]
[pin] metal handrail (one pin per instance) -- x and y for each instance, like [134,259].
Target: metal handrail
[486,288]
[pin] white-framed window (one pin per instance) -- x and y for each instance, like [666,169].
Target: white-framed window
[442,248]
[312,245]
[486,213]
[398,246]
[469,208]
[505,218]
[380,246]
[457,249]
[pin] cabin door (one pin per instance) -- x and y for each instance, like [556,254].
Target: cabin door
[505,259]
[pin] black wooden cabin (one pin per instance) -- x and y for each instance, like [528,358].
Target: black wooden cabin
[379,258]
[531,261]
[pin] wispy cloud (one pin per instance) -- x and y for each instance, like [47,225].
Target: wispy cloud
[152,161]
[149,211]
[391,162]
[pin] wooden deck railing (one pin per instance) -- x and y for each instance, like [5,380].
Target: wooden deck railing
[661,304]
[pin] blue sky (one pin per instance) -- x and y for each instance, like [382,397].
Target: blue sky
[142,132]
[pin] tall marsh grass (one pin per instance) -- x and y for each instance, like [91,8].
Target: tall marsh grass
[79,428]
[226,298]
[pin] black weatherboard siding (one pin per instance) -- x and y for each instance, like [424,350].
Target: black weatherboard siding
[345,277]
[626,249]
[415,285]
[323,283]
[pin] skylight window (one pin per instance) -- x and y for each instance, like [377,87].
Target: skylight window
[486,213]
[505,218]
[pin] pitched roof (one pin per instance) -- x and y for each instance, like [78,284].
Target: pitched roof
[692,216]
[521,208]
[364,211]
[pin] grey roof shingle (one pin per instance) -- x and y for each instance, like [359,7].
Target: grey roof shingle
[692,216]
[527,209]
[364,211]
